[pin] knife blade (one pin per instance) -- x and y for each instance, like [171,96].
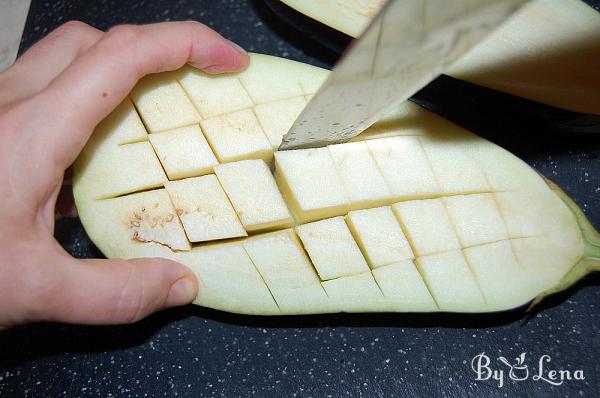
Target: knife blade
[405,47]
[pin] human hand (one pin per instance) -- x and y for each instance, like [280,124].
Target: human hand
[50,102]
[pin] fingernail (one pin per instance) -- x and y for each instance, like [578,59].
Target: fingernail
[182,292]
[237,47]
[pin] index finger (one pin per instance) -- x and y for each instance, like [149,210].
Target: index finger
[92,86]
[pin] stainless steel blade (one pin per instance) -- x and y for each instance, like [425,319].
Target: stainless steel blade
[404,48]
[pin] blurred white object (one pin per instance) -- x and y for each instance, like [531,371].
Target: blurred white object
[13,14]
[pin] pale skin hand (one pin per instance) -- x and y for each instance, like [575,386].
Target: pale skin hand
[50,101]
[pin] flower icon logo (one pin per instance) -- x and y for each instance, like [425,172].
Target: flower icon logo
[518,370]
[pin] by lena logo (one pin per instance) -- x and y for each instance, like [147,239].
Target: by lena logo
[519,370]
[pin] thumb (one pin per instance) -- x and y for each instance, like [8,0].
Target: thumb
[119,291]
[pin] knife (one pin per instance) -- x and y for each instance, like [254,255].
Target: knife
[408,44]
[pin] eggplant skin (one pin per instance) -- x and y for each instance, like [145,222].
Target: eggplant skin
[319,33]
[414,215]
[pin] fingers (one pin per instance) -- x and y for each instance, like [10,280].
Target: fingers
[117,291]
[98,81]
[35,69]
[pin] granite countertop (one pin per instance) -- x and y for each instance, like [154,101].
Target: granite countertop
[193,352]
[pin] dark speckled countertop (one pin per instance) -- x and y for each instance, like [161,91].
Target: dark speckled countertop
[195,352]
